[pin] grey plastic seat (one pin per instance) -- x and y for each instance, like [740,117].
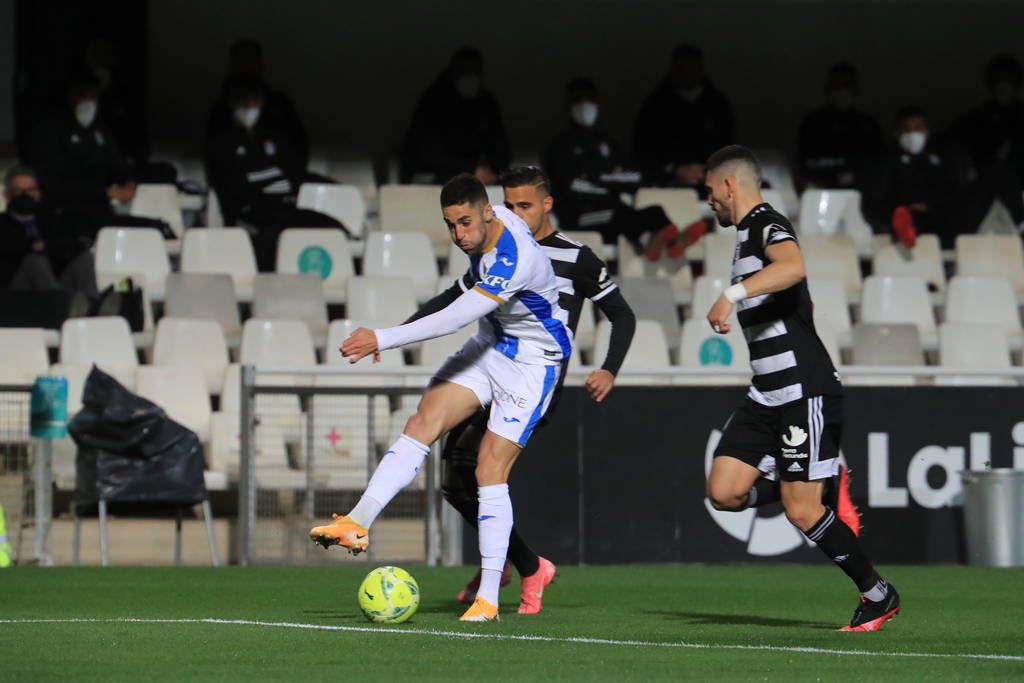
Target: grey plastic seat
[653,299]
[278,296]
[886,344]
[205,296]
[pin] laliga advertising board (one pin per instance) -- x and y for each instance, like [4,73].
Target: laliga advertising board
[624,481]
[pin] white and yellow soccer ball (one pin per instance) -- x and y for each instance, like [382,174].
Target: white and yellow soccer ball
[389,595]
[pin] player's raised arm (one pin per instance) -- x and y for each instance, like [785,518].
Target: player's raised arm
[595,283]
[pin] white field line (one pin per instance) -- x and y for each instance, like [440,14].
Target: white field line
[469,635]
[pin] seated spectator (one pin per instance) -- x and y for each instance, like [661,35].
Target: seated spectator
[257,175]
[681,123]
[589,176]
[36,251]
[278,112]
[839,143]
[993,133]
[81,167]
[927,187]
[456,127]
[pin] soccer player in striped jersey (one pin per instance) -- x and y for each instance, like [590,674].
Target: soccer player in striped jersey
[581,274]
[791,418]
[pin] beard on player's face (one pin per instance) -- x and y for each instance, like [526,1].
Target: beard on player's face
[720,207]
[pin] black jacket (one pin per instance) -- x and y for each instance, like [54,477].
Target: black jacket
[278,114]
[16,239]
[839,147]
[669,131]
[581,164]
[76,165]
[993,133]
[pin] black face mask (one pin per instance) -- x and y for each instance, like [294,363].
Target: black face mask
[23,205]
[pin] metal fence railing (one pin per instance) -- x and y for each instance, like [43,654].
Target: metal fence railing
[25,478]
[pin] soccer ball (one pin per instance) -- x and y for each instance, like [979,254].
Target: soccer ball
[389,595]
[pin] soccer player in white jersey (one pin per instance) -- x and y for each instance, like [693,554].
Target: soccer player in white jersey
[512,364]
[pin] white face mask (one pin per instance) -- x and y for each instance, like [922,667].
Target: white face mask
[85,112]
[584,113]
[468,86]
[247,116]
[913,141]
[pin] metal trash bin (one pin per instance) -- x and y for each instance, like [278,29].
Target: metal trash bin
[994,517]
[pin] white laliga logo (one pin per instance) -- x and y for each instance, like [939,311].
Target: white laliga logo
[795,438]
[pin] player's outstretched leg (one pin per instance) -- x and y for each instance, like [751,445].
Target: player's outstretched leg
[879,600]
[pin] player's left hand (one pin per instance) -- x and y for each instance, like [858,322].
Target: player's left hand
[719,314]
[359,345]
[599,384]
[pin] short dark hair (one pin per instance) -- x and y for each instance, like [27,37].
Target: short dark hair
[731,153]
[686,51]
[909,110]
[464,188]
[521,176]
[15,171]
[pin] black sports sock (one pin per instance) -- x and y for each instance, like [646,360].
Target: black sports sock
[763,492]
[837,541]
[520,554]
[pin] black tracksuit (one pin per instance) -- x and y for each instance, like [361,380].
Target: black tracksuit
[278,113]
[837,148]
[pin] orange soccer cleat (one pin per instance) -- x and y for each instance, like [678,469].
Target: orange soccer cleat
[344,532]
[468,594]
[481,610]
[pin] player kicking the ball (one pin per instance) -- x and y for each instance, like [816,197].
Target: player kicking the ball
[792,416]
[512,364]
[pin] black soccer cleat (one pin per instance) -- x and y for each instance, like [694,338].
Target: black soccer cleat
[869,615]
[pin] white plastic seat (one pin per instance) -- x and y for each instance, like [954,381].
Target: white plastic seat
[777,201]
[719,248]
[291,297]
[344,203]
[830,338]
[648,351]
[277,344]
[706,290]
[681,205]
[387,299]
[192,344]
[158,200]
[899,300]
[24,356]
[828,294]
[269,450]
[106,341]
[133,252]
[833,256]
[992,256]
[414,208]
[923,261]
[975,300]
[701,347]
[831,212]
[653,299]
[457,261]
[181,392]
[205,296]
[76,376]
[338,332]
[396,254]
[676,271]
[226,250]
[434,352]
[776,172]
[975,347]
[323,252]
[876,344]
[280,415]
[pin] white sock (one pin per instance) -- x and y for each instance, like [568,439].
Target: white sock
[495,524]
[877,592]
[396,470]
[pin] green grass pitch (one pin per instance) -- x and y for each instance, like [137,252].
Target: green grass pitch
[740,622]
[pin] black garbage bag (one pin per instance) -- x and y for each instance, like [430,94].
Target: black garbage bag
[129,451]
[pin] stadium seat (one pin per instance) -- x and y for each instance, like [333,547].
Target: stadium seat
[181,392]
[158,200]
[706,290]
[682,205]
[776,172]
[387,299]
[213,217]
[76,376]
[833,256]
[291,297]
[344,203]
[992,256]
[923,261]
[106,341]
[280,415]
[701,347]
[881,344]
[976,300]
[590,238]
[205,296]
[496,195]
[434,352]
[414,208]
[719,248]
[830,338]
[323,252]
[192,344]
[778,202]
[653,299]
[140,253]
[396,254]
[831,212]
[24,355]
[227,250]
[339,331]
[649,351]
[271,457]
[457,261]
[976,347]
[356,172]
[828,295]
[277,344]
[899,300]
[676,271]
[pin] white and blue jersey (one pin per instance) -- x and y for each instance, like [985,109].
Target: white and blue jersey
[529,325]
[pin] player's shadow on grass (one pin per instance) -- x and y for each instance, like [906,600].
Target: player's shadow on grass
[711,618]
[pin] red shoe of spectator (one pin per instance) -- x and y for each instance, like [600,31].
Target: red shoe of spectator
[693,232]
[903,226]
[660,240]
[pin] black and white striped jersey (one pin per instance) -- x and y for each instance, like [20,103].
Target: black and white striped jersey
[788,359]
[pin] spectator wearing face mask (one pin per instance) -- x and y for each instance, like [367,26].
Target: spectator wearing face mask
[681,123]
[82,169]
[456,127]
[993,133]
[257,174]
[927,187]
[277,110]
[36,253]
[839,143]
[590,177]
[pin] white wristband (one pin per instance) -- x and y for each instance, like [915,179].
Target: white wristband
[736,293]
